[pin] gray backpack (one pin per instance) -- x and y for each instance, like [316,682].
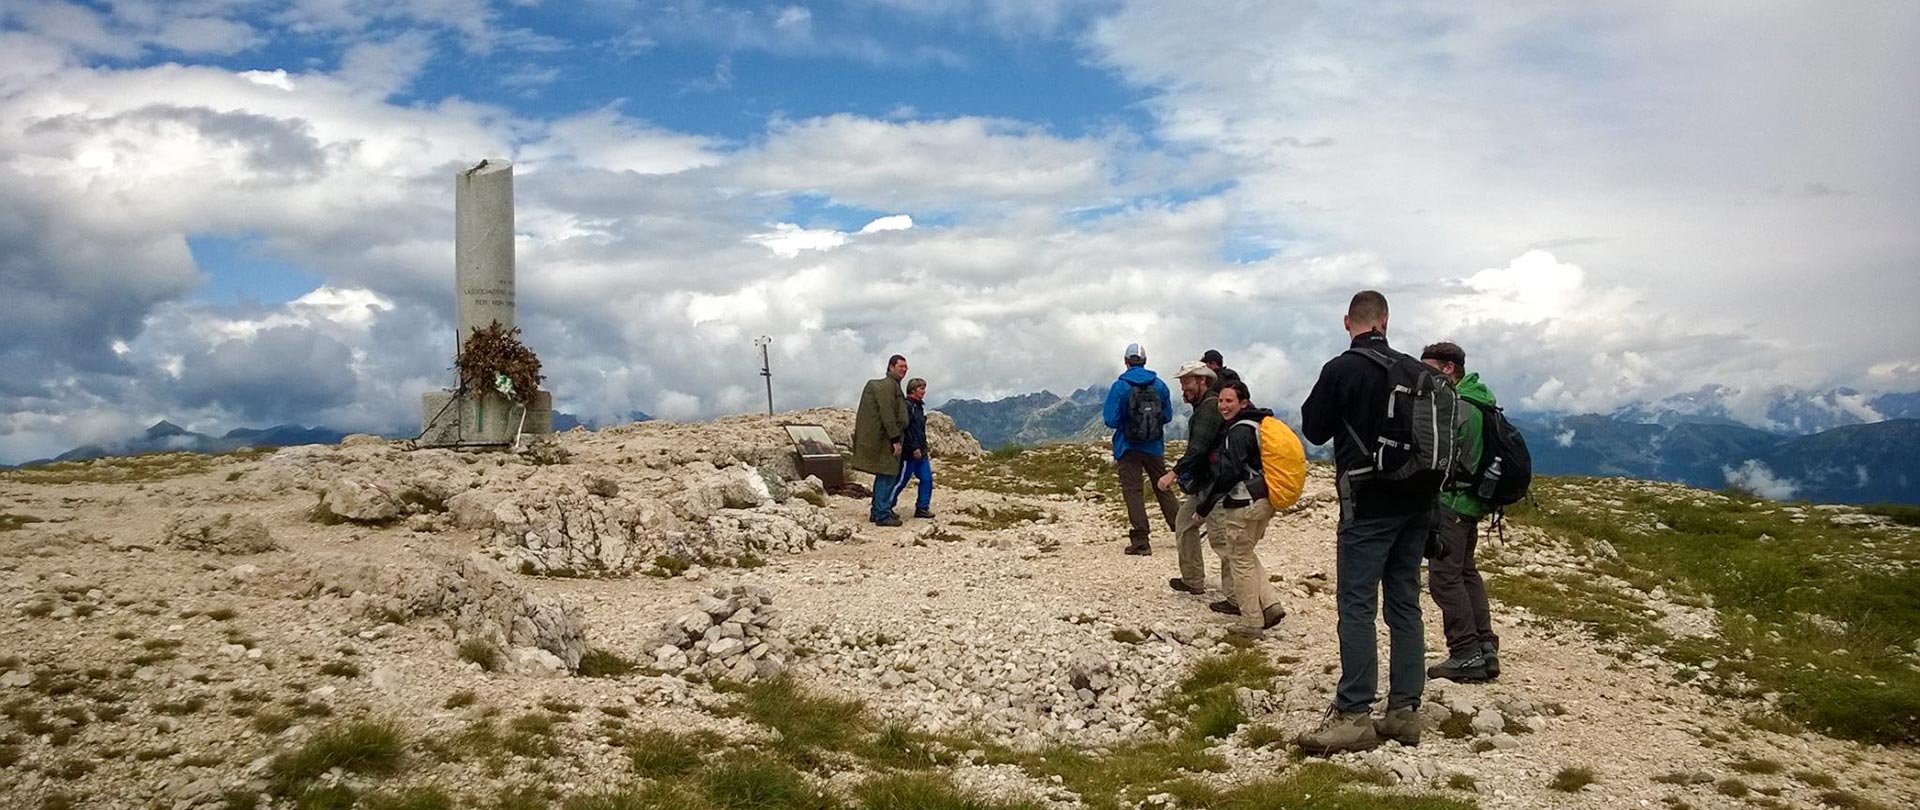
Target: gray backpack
[1420,436]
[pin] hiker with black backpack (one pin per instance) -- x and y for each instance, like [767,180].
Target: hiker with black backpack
[1138,408]
[1392,421]
[1501,469]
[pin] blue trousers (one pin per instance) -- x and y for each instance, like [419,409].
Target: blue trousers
[911,468]
[883,490]
[1376,557]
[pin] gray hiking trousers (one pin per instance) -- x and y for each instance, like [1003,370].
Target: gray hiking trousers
[1380,556]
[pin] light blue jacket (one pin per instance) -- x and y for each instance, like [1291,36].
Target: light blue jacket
[1115,411]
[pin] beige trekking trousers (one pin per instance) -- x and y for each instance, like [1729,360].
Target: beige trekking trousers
[1187,529]
[1243,528]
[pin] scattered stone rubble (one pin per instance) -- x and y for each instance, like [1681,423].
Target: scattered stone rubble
[224,533]
[1028,635]
[478,599]
[734,634]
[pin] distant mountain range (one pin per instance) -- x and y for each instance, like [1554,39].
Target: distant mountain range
[1866,463]
[167,437]
[1779,410]
[1030,419]
[1835,446]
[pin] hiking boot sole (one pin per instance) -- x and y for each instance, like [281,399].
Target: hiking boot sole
[1181,585]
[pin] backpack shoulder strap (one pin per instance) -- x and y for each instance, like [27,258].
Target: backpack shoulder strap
[1378,357]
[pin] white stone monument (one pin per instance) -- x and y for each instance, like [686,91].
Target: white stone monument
[483,295]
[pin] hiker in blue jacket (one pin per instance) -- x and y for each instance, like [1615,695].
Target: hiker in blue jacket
[1138,408]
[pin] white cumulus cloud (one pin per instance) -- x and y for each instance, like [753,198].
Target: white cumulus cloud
[1755,477]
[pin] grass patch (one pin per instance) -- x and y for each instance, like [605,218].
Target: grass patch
[531,735]
[1816,779]
[651,797]
[924,792]
[752,782]
[598,663]
[1263,735]
[1571,780]
[1816,603]
[1462,781]
[271,722]
[420,798]
[1758,766]
[1732,787]
[1128,635]
[1205,696]
[995,518]
[460,699]
[340,669]
[661,754]
[1849,801]
[1125,775]
[898,745]
[669,566]
[361,747]
[1903,514]
[1316,785]
[806,722]
[221,614]
[482,652]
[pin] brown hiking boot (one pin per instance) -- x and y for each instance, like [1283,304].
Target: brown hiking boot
[1340,731]
[1400,725]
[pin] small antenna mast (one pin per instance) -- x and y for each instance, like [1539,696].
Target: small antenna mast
[766,368]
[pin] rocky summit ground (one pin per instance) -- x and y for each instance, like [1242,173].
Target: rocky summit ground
[668,615]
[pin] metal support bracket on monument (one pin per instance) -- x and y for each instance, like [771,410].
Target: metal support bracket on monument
[471,417]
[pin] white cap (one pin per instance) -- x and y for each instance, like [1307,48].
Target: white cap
[1134,350]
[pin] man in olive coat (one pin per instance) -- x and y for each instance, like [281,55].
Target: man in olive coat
[877,428]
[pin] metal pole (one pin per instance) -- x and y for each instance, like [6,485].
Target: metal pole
[766,369]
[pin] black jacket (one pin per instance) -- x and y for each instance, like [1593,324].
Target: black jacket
[1194,468]
[915,436]
[1353,390]
[1236,461]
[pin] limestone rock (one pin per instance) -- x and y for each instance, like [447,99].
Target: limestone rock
[810,490]
[362,440]
[361,500]
[476,597]
[742,488]
[225,533]
[1488,721]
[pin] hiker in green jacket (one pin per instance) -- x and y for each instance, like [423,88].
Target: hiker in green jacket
[878,427]
[1452,578]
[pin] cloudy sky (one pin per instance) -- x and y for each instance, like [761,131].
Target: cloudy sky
[239,213]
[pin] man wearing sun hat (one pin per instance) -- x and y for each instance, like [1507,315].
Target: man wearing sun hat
[1191,473]
[1138,408]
